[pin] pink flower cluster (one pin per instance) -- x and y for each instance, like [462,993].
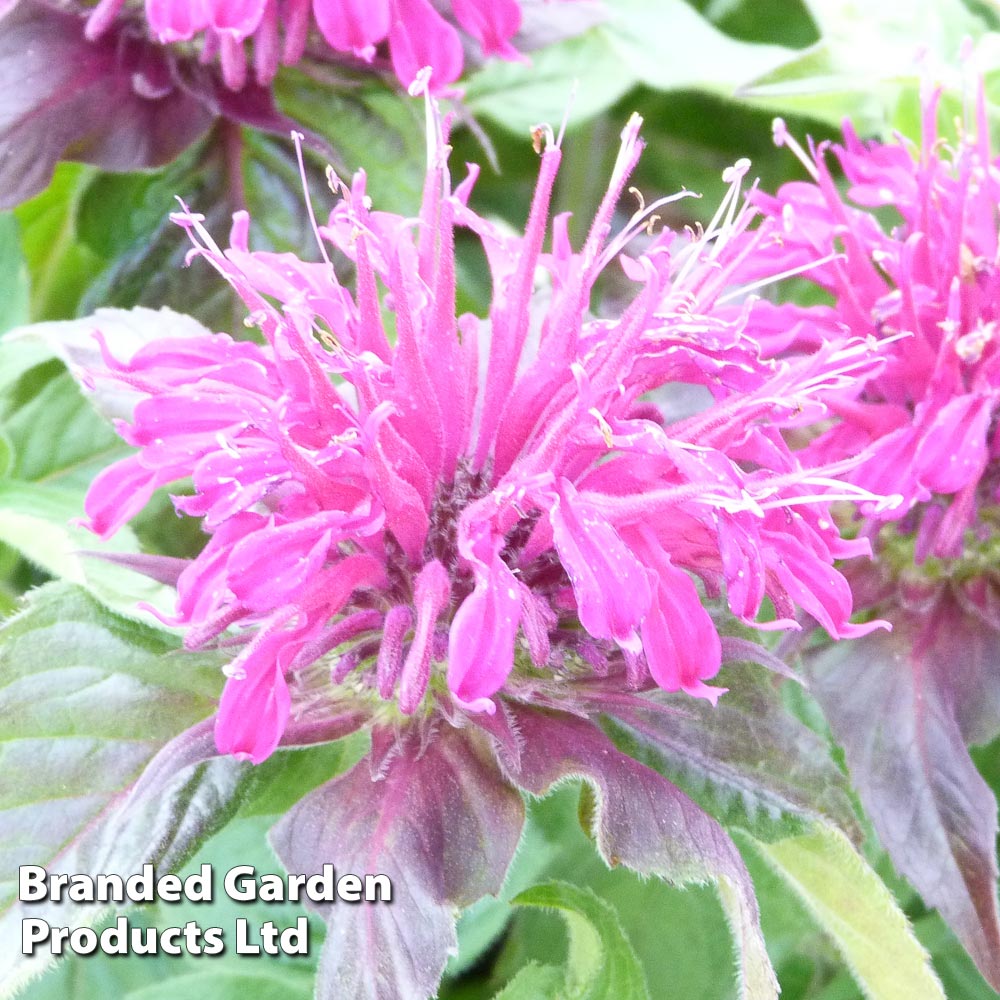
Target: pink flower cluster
[428,510]
[911,258]
[415,32]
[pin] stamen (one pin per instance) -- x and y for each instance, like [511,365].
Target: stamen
[605,427]
[298,138]
[737,293]
[782,137]
[541,132]
[570,101]
[642,220]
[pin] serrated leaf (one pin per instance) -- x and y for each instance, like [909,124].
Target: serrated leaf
[902,706]
[533,982]
[855,908]
[646,824]
[442,824]
[747,759]
[602,964]
[96,777]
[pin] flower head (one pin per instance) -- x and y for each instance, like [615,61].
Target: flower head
[911,257]
[414,32]
[416,512]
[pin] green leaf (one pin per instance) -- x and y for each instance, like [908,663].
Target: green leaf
[666,45]
[368,127]
[694,959]
[59,438]
[903,705]
[647,824]
[854,907]
[225,985]
[59,264]
[14,284]
[747,760]
[289,774]
[125,331]
[602,964]
[533,982]
[87,700]
[243,842]
[55,443]
[866,59]
[959,975]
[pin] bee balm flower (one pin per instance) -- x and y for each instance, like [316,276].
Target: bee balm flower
[927,284]
[416,34]
[418,512]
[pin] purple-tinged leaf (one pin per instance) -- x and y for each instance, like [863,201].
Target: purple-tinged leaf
[748,759]
[644,822]
[112,102]
[95,776]
[973,677]
[186,793]
[901,705]
[441,823]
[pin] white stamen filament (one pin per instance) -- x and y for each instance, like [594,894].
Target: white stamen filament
[772,279]
[297,138]
[782,137]
[635,225]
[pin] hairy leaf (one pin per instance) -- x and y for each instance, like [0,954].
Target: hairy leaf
[97,778]
[601,964]
[440,822]
[901,704]
[533,982]
[644,822]
[747,759]
[855,908]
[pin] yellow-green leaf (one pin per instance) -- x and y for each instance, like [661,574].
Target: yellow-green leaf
[853,905]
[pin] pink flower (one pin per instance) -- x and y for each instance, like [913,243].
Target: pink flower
[499,494]
[414,32]
[926,283]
